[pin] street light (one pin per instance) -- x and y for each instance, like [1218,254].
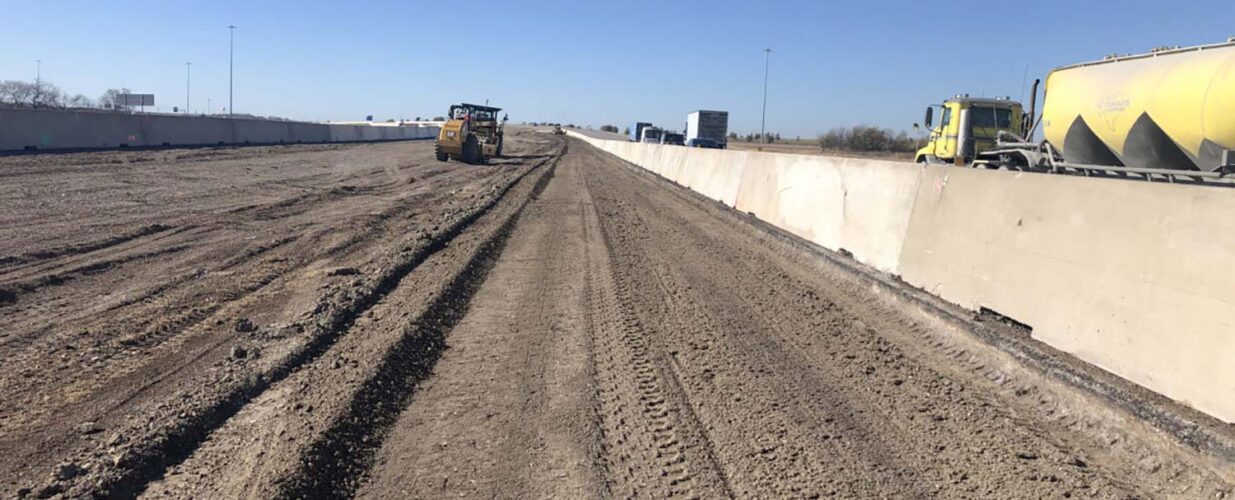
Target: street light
[188,81]
[763,136]
[231,68]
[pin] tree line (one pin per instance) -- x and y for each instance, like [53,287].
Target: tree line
[865,138]
[40,94]
[44,94]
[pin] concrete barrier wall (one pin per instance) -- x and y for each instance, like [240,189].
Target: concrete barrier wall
[860,206]
[1130,276]
[1136,278]
[61,129]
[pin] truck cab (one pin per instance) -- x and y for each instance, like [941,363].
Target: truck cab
[636,131]
[967,127]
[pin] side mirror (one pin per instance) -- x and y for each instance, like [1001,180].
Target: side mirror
[930,114]
[916,127]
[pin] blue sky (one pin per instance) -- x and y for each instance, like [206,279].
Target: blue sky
[834,64]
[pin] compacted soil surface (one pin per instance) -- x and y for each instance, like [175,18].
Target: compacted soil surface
[361,320]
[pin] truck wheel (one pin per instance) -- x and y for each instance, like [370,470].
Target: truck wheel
[437,151]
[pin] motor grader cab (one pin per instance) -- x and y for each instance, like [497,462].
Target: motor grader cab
[472,134]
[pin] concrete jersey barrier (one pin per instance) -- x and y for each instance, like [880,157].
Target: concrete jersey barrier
[25,129]
[1140,289]
[856,205]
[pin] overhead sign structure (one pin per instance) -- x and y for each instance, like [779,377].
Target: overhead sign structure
[134,100]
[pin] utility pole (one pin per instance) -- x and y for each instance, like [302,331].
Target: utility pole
[231,68]
[188,82]
[763,136]
[38,71]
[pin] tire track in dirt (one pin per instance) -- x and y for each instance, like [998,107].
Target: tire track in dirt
[141,447]
[82,248]
[654,446]
[510,410]
[337,462]
[337,321]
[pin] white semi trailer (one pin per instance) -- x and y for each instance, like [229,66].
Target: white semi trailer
[707,129]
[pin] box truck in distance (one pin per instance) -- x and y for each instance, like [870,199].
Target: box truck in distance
[636,130]
[707,129]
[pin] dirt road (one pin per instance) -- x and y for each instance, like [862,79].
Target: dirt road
[559,325]
[149,295]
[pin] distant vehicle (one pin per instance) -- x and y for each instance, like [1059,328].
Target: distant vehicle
[700,142]
[636,131]
[651,135]
[711,125]
[673,139]
[557,130]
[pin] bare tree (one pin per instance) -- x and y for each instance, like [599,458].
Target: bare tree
[46,95]
[79,101]
[109,98]
[12,92]
[36,95]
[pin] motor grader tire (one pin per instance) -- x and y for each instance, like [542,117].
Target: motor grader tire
[471,150]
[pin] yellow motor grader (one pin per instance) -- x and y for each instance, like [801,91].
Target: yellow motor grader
[472,134]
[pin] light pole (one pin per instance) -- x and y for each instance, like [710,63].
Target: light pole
[38,71]
[188,82]
[763,136]
[231,68]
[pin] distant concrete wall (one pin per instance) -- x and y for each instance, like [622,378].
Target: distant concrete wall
[860,206]
[1133,277]
[64,129]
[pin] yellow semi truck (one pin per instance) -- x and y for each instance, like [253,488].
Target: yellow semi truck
[969,126]
[1169,113]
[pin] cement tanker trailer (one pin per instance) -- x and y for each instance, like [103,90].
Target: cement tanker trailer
[1165,115]
[1169,109]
